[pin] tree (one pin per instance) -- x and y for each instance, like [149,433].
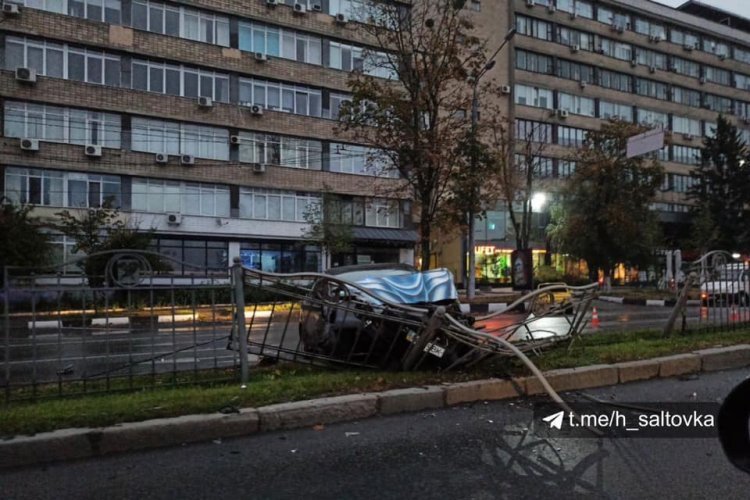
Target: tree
[22,244]
[416,118]
[328,225]
[99,230]
[605,217]
[722,187]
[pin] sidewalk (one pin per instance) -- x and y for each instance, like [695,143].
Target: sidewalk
[70,444]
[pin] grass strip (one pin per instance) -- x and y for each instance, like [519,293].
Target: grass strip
[293,383]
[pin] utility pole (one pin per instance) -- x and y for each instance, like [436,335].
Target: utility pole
[471,278]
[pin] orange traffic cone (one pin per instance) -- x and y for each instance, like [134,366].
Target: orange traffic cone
[735,314]
[595,318]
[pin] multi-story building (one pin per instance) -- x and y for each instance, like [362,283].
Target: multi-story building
[209,121]
[574,63]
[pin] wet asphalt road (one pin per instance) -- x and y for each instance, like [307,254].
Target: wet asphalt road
[468,452]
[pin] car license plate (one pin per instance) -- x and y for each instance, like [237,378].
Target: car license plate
[435,350]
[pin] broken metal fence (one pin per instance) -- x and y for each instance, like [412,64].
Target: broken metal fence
[715,295]
[118,320]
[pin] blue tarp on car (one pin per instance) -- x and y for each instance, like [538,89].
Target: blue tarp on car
[432,286]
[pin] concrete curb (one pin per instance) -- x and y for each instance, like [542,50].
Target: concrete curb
[646,302]
[70,444]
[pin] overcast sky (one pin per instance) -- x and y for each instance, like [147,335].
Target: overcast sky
[741,7]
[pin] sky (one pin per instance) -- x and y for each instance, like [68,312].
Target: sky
[740,7]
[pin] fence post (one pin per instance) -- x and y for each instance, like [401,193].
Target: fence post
[679,307]
[239,301]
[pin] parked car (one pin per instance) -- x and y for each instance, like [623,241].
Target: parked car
[729,285]
[353,321]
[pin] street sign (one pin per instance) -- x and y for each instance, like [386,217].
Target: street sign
[647,142]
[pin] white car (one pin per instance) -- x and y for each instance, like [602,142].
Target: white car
[730,285]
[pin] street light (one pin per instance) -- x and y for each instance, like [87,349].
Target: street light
[471,278]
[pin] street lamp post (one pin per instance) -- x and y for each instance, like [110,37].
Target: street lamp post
[471,278]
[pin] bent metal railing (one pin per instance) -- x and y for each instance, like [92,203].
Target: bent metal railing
[323,319]
[715,295]
[116,320]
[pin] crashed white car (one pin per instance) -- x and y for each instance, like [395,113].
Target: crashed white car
[729,285]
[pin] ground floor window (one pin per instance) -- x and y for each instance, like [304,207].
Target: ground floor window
[280,257]
[366,255]
[193,256]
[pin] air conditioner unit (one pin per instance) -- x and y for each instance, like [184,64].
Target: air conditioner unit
[582,84]
[599,50]
[11,9]
[161,158]
[29,144]
[654,38]
[317,7]
[562,113]
[634,62]
[261,57]
[652,69]
[272,3]
[506,89]
[573,15]
[575,48]
[617,27]
[687,137]
[174,218]
[187,159]
[688,47]
[300,8]
[256,110]
[551,8]
[702,80]
[722,57]
[27,75]
[93,150]
[341,18]
[746,120]
[235,139]
[259,168]
[530,3]
[205,102]
[673,68]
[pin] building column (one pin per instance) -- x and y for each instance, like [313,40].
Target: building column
[233,251]
[406,256]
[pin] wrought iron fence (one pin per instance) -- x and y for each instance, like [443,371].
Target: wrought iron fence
[117,320]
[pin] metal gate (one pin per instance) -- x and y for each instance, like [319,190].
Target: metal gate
[117,320]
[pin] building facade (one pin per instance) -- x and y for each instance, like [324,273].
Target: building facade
[211,122]
[574,63]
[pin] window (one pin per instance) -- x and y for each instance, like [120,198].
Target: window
[741,81]
[717,103]
[272,204]
[576,104]
[351,58]
[57,6]
[534,131]
[613,18]
[536,63]
[650,28]
[533,27]
[533,96]
[96,10]
[157,136]
[571,37]
[280,97]
[61,189]
[62,61]
[651,118]
[685,67]
[742,55]
[182,22]
[575,71]
[686,96]
[353,159]
[679,183]
[684,125]
[651,58]
[358,10]
[618,50]
[570,136]
[383,213]
[566,168]
[616,81]
[716,75]
[742,109]
[686,155]
[709,129]
[57,124]
[280,150]
[651,88]
[346,211]
[684,38]
[334,104]
[179,80]
[608,110]
[299,47]
[161,196]
[578,7]
[714,47]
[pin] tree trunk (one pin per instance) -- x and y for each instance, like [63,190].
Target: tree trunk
[425,244]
